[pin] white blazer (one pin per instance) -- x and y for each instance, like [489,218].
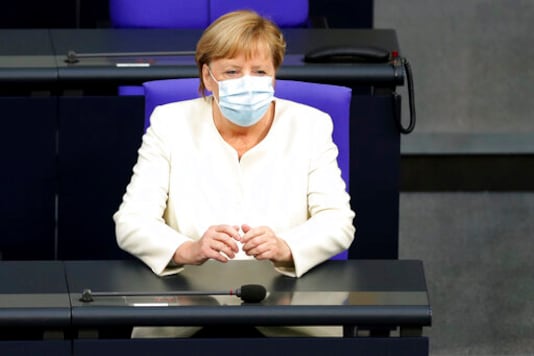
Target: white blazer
[188,178]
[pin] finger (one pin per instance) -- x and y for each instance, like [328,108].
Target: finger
[221,252]
[213,253]
[232,231]
[250,234]
[262,256]
[227,241]
[218,257]
[261,253]
[229,247]
[254,246]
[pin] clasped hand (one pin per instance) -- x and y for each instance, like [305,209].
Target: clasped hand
[219,242]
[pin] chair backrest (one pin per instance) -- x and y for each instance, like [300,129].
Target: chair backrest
[197,14]
[200,13]
[293,13]
[159,13]
[332,99]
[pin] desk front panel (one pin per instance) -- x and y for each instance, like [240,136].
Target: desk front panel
[33,348]
[257,347]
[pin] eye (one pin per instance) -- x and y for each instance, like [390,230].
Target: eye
[260,72]
[231,73]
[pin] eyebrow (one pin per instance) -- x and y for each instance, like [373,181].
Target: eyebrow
[254,66]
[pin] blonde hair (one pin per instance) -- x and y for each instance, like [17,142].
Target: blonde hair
[239,32]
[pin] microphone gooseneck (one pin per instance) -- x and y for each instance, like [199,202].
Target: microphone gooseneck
[249,293]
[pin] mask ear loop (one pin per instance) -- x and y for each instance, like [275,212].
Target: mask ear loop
[211,75]
[216,81]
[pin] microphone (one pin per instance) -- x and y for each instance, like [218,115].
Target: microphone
[249,293]
[74,57]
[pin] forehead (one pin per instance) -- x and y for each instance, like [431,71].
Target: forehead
[254,58]
[253,52]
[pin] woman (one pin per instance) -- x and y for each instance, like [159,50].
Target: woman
[238,174]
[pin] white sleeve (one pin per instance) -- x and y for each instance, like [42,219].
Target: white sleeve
[330,229]
[139,223]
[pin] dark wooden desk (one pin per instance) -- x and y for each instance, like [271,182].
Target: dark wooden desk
[33,294]
[351,293]
[35,312]
[27,60]
[359,294]
[120,56]
[38,60]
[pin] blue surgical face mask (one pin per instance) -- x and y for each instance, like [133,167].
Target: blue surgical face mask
[245,100]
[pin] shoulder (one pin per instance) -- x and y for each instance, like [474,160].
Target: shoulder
[293,106]
[301,115]
[181,113]
[177,124]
